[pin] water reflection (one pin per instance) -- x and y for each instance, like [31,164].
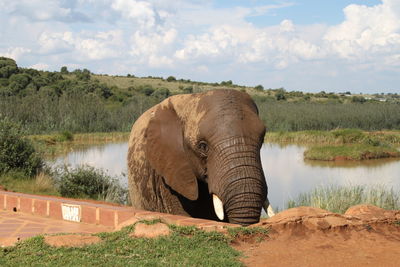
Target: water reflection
[109,157]
[286,172]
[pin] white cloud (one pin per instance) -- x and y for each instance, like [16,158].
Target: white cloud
[15,52]
[366,30]
[149,47]
[44,10]
[100,46]
[278,45]
[287,26]
[218,42]
[196,40]
[140,11]
[86,45]
[54,42]
[368,34]
[40,66]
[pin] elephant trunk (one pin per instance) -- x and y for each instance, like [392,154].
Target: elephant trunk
[239,183]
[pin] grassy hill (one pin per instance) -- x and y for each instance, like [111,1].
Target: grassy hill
[80,101]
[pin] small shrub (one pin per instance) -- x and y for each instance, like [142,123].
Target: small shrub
[88,182]
[259,88]
[65,136]
[227,83]
[161,93]
[16,152]
[188,90]
[64,70]
[171,79]
[8,67]
[358,99]
[147,90]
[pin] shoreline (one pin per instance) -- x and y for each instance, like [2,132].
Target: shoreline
[342,144]
[335,145]
[355,152]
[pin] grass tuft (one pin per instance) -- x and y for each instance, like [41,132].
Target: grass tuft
[247,231]
[338,199]
[42,184]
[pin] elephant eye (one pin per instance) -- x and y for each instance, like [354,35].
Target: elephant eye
[203,148]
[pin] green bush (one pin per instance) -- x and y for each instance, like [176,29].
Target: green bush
[17,153]
[171,79]
[161,93]
[8,67]
[65,136]
[259,88]
[147,90]
[88,182]
[225,83]
[64,70]
[188,90]
[280,96]
[358,99]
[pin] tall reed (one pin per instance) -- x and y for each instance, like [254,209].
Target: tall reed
[338,198]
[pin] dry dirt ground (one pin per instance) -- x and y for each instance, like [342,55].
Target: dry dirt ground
[364,236]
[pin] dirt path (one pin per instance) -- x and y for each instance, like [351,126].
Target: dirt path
[364,236]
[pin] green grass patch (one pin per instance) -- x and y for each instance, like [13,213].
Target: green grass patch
[350,152]
[235,232]
[338,199]
[118,249]
[42,184]
[336,137]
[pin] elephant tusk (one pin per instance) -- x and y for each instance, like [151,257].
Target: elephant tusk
[268,208]
[218,207]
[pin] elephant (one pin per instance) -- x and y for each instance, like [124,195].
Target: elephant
[198,155]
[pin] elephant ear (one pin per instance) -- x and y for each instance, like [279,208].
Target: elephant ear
[166,154]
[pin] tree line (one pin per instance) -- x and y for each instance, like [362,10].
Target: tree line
[45,102]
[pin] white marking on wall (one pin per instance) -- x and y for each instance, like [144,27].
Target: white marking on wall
[71,212]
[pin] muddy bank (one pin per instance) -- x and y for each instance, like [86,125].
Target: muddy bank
[365,235]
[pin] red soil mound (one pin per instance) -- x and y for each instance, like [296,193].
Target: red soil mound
[364,235]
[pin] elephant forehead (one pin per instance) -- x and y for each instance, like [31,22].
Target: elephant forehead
[186,107]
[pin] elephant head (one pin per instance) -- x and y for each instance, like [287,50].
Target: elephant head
[206,148]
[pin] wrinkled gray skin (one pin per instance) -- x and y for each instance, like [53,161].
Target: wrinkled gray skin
[189,147]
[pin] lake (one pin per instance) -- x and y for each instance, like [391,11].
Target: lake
[286,172]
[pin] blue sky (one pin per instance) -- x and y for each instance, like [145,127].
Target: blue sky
[302,12]
[340,45]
